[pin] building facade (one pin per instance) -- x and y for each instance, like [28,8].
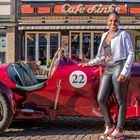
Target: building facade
[44,26]
[7,31]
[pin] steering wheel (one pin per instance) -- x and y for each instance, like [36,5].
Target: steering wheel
[55,61]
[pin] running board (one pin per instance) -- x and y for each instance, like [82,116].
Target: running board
[29,114]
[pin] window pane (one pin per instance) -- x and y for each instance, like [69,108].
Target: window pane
[2,41]
[42,48]
[86,46]
[75,44]
[97,39]
[31,47]
[137,43]
[137,56]
[53,44]
[137,49]
[2,57]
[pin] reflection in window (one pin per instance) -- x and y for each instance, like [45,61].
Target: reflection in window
[75,44]
[137,49]
[53,44]
[31,47]
[97,39]
[42,48]
[86,46]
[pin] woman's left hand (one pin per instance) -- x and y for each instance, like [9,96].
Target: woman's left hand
[121,78]
[84,64]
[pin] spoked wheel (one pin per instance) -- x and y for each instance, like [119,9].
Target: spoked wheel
[6,114]
[55,61]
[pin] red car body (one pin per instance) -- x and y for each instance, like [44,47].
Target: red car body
[71,90]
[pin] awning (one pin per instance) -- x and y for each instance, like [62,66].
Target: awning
[62,27]
[76,27]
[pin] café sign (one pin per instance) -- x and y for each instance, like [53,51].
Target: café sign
[94,9]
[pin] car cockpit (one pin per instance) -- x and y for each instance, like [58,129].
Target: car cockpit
[23,77]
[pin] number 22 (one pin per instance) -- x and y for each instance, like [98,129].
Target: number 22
[78,78]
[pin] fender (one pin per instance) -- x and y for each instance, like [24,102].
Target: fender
[9,95]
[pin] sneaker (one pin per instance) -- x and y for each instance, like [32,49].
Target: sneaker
[116,135]
[107,132]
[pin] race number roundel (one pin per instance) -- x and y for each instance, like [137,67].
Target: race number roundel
[78,79]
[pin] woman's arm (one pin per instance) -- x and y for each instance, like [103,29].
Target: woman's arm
[98,60]
[99,57]
[130,54]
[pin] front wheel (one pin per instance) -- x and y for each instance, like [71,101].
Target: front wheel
[6,114]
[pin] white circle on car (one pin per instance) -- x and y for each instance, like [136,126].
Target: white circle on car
[78,79]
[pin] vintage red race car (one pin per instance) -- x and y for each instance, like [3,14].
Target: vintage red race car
[68,90]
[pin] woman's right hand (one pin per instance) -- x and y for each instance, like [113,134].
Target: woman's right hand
[83,64]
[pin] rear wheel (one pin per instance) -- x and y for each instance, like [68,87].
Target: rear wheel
[6,114]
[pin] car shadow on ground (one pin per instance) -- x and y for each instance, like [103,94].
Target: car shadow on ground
[66,126]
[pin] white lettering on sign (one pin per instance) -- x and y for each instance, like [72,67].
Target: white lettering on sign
[95,9]
[78,79]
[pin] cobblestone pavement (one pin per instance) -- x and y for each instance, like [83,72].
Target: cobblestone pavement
[64,128]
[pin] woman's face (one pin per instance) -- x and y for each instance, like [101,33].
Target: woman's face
[113,22]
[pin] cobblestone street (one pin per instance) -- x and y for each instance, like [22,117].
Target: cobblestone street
[64,128]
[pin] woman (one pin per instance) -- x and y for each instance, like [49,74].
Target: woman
[116,51]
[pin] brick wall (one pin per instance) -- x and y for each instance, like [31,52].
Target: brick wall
[10,44]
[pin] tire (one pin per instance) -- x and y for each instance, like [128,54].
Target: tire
[6,114]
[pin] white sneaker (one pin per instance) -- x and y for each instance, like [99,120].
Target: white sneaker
[107,132]
[116,135]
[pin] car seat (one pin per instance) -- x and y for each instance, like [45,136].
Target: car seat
[23,77]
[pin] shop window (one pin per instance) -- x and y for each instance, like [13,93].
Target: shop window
[41,46]
[137,49]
